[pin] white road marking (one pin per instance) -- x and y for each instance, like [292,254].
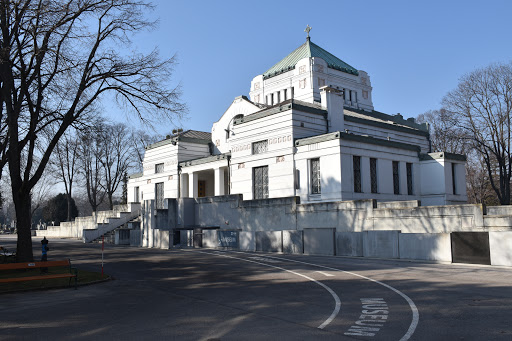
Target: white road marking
[414,309]
[325,273]
[333,294]
[263,259]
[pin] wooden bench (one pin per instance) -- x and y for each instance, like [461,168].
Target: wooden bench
[73,272]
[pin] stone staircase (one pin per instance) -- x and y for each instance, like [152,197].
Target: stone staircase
[107,221]
[92,227]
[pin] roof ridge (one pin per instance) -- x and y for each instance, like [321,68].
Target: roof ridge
[308,49]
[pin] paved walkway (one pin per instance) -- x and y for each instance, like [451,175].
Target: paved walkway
[207,294]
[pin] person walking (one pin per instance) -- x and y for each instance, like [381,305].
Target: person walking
[44,250]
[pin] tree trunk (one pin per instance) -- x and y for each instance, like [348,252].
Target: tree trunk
[110,202]
[23,224]
[69,206]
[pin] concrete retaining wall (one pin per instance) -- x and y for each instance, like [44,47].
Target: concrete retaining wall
[319,241]
[252,215]
[269,241]
[349,244]
[348,228]
[500,244]
[380,244]
[293,241]
[247,241]
[425,246]
[210,238]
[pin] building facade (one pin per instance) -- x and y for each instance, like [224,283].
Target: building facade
[308,129]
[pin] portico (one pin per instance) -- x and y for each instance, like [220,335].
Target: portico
[205,177]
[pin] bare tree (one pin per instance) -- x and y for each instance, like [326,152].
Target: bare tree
[482,106]
[140,140]
[57,59]
[479,187]
[116,157]
[445,135]
[65,164]
[90,155]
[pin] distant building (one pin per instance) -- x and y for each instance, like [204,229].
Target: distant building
[308,129]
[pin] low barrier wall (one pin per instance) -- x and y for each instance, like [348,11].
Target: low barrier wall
[319,241]
[380,244]
[351,228]
[425,246]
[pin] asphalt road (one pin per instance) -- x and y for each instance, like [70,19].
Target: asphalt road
[201,294]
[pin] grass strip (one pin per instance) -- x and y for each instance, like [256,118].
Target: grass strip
[84,277]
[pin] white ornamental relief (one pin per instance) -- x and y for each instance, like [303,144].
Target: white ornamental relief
[241,147]
[280,139]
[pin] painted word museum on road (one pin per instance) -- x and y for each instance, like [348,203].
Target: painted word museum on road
[307,129]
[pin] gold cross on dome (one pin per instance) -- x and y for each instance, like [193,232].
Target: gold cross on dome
[308,28]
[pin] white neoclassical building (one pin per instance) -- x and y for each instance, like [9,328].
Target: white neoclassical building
[308,129]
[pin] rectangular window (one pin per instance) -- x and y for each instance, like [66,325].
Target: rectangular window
[271,99]
[278,97]
[357,173]
[259,147]
[454,182]
[373,175]
[136,196]
[316,187]
[159,195]
[396,178]
[409,178]
[159,168]
[260,182]
[285,94]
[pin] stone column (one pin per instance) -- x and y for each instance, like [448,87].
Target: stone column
[184,185]
[219,181]
[192,185]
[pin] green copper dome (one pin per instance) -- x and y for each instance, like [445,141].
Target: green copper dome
[309,49]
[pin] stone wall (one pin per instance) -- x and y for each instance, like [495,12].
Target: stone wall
[402,229]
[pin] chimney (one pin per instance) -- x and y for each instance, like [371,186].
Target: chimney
[332,100]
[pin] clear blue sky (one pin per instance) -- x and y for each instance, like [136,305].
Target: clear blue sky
[414,51]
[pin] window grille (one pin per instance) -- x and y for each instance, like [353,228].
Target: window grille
[260,183]
[316,187]
[409,178]
[159,194]
[357,173]
[260,147]
[373,175]
[159,168]
[396,178]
